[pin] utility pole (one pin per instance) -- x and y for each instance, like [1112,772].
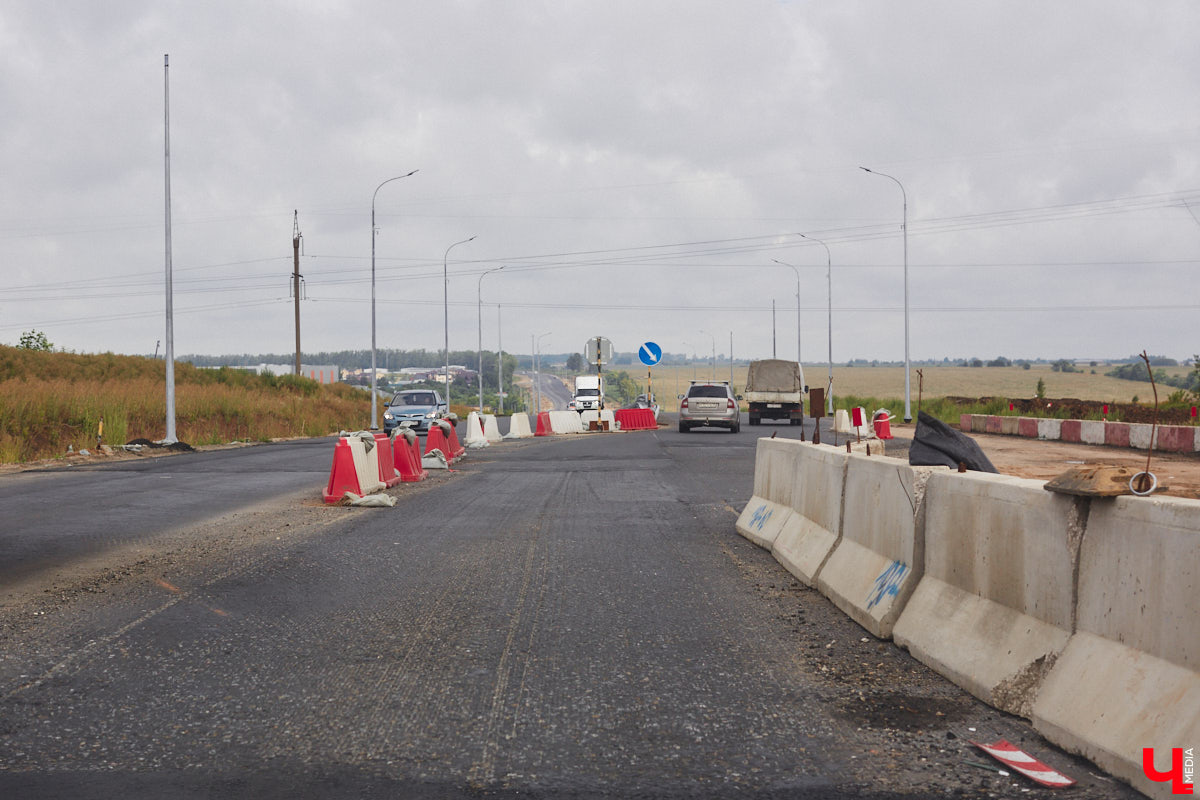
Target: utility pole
[296,236]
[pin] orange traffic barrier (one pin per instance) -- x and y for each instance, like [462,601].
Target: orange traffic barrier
[342,475]
[386,459]
[436,440]
[456,449]
[543,424]
[636,419]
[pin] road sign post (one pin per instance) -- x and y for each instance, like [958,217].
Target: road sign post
[599,350]
[650,354]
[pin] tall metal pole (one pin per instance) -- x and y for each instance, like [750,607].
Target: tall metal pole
[731,359]
[537,363]
[374,231]
[446,311]
[799,357]
[296,280]
[499,362]
[713,372]
[170,351]
[904,227]
[829,280]
[479,313]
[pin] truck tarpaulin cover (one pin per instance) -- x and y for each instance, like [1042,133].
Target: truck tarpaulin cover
[936,444]
[773,375]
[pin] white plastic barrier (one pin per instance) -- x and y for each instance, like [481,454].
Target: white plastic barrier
[474,437]
[994,608]
[774,476]
[880,556]
[809,534]
[1130,676]
[590,416]
[841,421]
[565,422]
[518,427]
[366,462]
[491,428]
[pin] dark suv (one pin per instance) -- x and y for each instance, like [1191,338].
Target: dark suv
[709,403]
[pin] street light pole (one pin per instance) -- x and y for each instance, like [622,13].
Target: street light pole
[537,375]
[499,361]
[829,281]
[904,227]
[479,310]
[374,231]
[799,359]
[714,354]
[446,311]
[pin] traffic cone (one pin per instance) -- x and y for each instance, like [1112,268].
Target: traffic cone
[342,475]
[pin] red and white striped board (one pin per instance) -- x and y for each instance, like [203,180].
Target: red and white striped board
[1020,761]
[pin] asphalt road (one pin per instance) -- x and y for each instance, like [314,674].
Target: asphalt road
[570,617]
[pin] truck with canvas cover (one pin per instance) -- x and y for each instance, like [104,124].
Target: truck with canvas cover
[775,390]
[589,393]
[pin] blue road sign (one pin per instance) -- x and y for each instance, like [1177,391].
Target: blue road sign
[650,354]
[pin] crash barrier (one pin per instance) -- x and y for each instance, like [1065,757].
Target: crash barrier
[844,422]
[474,437]
[450,426]
[406,453]
[543,424]
[518,427]
[636,419]
[491,428]
[386,460]
[436,439]
[809,533]
[1129,677]
[879,556]
[1137,435]
[565,421]
[1073,612]
[355,467]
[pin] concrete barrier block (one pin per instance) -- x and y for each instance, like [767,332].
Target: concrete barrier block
[1116,434]
[1027,427]
[761,521]
[994,608]
[879,558]
[964,422]
[1049,428]
[518,427]
[775,465]
[979,423]
[491,428]
[1009,425]
[1140,435]
[1071,430]
[1176,438]
[810,533]
[1091,431]
[993,424]
[1129,677]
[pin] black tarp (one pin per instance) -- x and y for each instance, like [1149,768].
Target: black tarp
[936,444]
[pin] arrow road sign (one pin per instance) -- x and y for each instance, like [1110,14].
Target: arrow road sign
[650,354]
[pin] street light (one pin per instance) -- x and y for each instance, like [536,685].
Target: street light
[479,311]
[446,310]
[374,231]
[829,280]
[537,361]
[799,359]
[904,227]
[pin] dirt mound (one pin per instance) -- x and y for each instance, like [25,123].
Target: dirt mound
[1071,408]
[177,447]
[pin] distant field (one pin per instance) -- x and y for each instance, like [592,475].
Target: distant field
[888,382]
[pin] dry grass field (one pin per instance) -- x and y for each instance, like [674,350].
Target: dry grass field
[888,382]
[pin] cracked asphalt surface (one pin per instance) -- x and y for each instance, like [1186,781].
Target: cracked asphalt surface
[572,617]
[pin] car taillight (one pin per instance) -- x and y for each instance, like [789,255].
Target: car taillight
[683,403]
[731,404]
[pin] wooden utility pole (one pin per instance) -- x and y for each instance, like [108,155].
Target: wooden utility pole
[296,280]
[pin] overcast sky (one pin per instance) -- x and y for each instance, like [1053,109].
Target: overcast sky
[635,167]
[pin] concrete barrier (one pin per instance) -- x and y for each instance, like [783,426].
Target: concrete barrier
[600,417]
[1010,426]
[1071,430]
[1050,429]
[809,534]
[1116,434]
[565,422]
[518,427]
[1129,677]
[994,608]
[1027,427]
[1140,435]
[880,556]
[474,437]
[1176,439]
[491,428]
[1091,431]
[774,480]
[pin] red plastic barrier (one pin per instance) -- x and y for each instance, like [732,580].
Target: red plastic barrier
[386,459]
[436,440]
[407,459]
[342,475]
[636,419]
[456,449]
[543,424]
[883,425]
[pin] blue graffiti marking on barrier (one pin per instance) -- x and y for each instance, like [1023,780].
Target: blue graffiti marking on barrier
[760,517]
[887,584]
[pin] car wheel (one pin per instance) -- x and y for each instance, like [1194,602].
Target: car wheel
[735,427]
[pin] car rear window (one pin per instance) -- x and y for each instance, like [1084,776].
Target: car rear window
[708,391]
